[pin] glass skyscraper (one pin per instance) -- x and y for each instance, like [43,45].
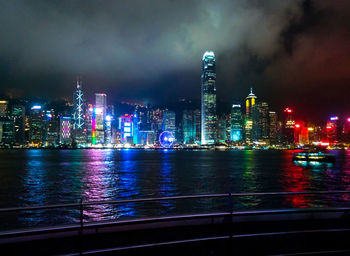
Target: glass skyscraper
[79,132]
[248,126]
[100,115]
[236,123]
[208,99]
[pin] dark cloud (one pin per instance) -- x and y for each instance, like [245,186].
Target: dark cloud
[151,50]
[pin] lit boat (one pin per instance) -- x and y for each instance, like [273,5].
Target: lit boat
[314,156]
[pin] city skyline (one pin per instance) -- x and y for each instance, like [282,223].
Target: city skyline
[270,47]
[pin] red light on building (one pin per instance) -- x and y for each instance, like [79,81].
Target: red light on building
[329,127]
[288,110]
[297,125]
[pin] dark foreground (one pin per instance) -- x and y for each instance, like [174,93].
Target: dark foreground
[291,232]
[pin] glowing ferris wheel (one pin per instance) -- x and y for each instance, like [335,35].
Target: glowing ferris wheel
[166,139]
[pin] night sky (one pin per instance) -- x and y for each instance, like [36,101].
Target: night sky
[294,53]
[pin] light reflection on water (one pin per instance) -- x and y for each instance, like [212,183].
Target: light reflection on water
[41,177]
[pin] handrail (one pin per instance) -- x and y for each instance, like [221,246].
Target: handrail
[199,196]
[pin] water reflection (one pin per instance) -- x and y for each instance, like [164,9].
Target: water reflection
[167,186]
[248,182]
[59,176]
[295,179]
[34,192]
[99,177]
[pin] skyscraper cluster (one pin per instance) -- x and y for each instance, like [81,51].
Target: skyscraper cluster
[249,123]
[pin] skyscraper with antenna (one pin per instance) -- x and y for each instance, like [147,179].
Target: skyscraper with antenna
[208,99]
[79,133]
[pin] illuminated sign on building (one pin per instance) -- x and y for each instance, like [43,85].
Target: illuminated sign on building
[36,107]
[126,127]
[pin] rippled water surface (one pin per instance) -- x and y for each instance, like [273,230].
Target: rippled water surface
[41,177]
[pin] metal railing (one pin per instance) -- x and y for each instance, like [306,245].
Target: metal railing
[230,198]
[81,205]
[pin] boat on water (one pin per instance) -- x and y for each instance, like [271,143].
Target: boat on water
[314,156]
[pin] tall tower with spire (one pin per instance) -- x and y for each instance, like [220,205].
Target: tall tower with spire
[248,124]
[78,114]
[208,99]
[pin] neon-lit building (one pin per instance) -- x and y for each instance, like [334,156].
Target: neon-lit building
[301,134]
[51,129]
[333,129]
[190,121]
[236,123]
[93,126]
[36,123]
[288,127]
[169,121]
[66,127]
[346,130]
[79,129]
[248,122]
[100,115]
[108,129]
[126,128]
[88,122]
[222,127]
[208,99]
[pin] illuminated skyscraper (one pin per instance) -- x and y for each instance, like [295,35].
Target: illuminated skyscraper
[51,137]
[6,130]
[191,126]
[260,115]
[79,129]
[169,121]
[65,130]
[272,127]
[288,127]
[222,128]
[333,129]
[248,122]
[100,115]
[36,123]
[18,112]
[126,128]
[208,99]
[346,131]
[236,123]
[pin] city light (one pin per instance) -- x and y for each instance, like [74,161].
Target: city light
[310,129]
[108,118]
[288,110]
[98,111]
[36,107]
[297,126]
[348,119]
[333,118]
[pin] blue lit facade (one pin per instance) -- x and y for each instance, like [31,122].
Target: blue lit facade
[169,121]
[126,127]
[236,123]
[208,99]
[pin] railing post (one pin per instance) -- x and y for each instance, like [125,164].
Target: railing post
[81,219]
[230,208]
[230,203]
